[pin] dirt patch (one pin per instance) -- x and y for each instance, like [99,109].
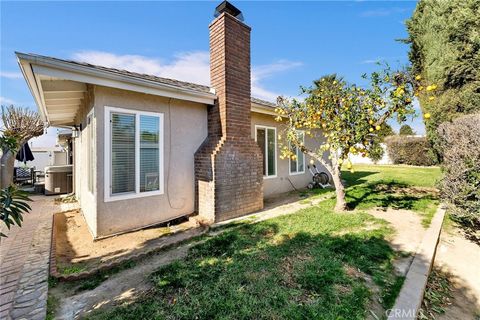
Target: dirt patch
[76,250]
[459,258]
[375,308]
[408,228]
[124,287]
[414,191]
[288,268]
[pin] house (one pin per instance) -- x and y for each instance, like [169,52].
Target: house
[47,152]
[149,149]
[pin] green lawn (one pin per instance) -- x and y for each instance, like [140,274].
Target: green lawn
[314,264]
[399,187]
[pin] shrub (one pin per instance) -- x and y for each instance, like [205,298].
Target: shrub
[376,152]
[415,151]
[406,130]
[13,205]
[460,185]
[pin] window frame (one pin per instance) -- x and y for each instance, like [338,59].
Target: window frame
[290,159]
[108,197]
[265,156]
[91,155]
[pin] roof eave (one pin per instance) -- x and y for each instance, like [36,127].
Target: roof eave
[31,81]
[86,74]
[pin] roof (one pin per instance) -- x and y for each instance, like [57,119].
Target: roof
[167,81]
[152,78]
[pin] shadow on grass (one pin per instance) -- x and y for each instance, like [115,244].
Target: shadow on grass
[273,270]
[353,179]
[394,195]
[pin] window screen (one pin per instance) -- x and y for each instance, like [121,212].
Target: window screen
[122,153]
[298,165]
[267,141]
[149,153]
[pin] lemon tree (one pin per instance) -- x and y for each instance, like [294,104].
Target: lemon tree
[345,119]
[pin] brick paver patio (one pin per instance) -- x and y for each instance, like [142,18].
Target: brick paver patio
[24,263]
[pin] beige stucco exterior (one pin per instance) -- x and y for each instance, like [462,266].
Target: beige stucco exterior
[87,199]
[284,181]
[185,128]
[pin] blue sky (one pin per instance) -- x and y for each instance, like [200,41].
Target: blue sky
[293,43]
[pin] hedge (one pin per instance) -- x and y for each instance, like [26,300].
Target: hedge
[460,185]
[415,151]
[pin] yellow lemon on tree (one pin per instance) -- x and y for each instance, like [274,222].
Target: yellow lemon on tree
[370,121]
[418,77]
[378,127]
[371,129]
[426,115]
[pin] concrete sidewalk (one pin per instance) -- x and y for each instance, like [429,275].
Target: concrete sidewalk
[410,298]
[24,263]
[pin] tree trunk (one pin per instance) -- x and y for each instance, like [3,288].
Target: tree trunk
[341,204]
[7,163]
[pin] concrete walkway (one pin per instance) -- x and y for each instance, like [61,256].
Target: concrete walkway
[410,298]
[24,263]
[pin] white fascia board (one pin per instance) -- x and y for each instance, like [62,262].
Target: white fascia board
[68,71]
[259,108]
[31,81]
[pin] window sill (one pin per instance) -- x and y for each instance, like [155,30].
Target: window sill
[269,177]
[128,196]
[297,173]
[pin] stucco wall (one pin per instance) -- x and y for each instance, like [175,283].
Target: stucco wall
[86,199]
[185,129]
[284,180]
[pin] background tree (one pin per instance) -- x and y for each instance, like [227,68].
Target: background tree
[406,130]
[348,117]
[19,125]
[444,43]
[12,200]
[377,151]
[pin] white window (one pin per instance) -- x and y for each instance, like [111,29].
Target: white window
[133,154]
[266,138]
[297,166]
[91,151]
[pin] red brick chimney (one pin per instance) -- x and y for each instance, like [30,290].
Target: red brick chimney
[228,165]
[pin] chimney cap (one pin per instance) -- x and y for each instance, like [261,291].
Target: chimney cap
[229,8]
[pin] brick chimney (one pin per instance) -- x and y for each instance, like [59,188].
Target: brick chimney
[228,165]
